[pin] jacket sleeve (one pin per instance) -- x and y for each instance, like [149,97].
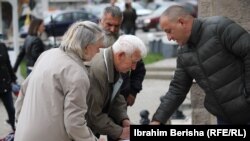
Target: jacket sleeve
[76,87]
[237,41]
[19,59]
[37,48]
[137,77]
[119,109]
[132,82]
[20,98]
[176,94]
[99,120]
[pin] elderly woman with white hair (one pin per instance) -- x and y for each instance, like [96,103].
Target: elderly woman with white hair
[52,102]
[107,109]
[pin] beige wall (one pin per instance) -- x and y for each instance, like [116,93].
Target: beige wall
[237,10]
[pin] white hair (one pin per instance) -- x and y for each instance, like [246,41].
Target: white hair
[129,44]
[80,35]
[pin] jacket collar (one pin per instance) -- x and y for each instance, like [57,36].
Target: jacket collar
[109,64]
[75,57]
[195,33]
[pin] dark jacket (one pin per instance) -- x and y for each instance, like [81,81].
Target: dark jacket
[132,81]
[33,46]
[217,58]
[6,73]
[129,18]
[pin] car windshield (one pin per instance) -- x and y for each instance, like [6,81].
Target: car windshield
[49,15]
[96,9]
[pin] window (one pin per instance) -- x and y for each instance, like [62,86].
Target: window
[65,17]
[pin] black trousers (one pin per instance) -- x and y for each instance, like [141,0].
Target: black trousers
[9,106]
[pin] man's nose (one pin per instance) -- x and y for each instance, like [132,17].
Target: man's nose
[112,29]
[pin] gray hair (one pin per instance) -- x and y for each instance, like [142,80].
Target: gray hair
[115,11]
[175,11]
[129,44]
[79,35]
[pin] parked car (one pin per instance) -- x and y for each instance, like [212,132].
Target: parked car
[152,21]
[96,9]
[57,23]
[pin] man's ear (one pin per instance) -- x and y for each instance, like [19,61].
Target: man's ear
[121,55]
[181,20]
[85,50]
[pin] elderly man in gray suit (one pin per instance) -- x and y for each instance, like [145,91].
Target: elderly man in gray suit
[107,113]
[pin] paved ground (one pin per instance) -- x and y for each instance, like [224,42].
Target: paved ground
[149,99]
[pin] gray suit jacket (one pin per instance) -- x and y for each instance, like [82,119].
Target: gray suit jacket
[103,116]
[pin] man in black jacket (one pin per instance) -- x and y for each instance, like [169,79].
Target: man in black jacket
[213,51]
[7,77]
[132,81]
[129,18]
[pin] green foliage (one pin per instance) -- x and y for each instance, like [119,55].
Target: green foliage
[23,68]
[153,57]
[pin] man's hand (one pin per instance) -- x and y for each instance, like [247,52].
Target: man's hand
[130,100]
[154,123]
[125,133]
[125,123]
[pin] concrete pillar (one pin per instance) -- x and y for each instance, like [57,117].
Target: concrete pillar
[200,116]
[237,10]
[15,26]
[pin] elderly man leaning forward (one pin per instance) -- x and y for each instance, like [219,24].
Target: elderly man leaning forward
[107,114]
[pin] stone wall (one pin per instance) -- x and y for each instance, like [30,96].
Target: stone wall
[237,10]
[200,116]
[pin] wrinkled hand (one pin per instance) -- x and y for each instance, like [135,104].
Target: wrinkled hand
[125,133]
[130,100]
[125,123]
[154,123]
